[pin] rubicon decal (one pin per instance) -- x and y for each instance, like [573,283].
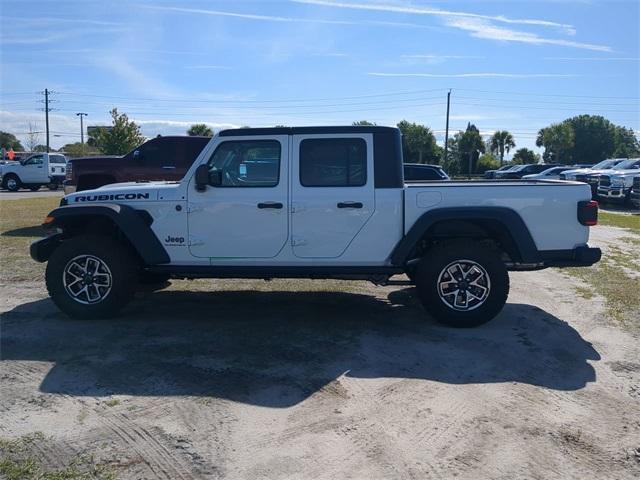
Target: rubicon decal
[117,196]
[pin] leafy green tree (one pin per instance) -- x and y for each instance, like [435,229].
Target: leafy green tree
[501,142]
[199,130]
[558,141]
[470,146]
[587,139]
[525,156]
[42,148]
[78,150]
[9,140]
[626,142]
[419,143]
[122,137]
[487,162]
[363,123]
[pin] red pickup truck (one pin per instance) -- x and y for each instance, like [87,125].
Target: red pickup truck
[161,158]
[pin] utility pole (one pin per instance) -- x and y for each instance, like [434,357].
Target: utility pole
[446,132]
[80,114]
[46,114]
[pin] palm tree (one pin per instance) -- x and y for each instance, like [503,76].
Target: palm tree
[200,130]
[501,142]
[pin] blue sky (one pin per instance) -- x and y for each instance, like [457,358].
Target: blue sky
[515,65]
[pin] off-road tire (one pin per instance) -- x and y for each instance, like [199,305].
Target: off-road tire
[122,266]
[432,273]
[11,187]
[53,186]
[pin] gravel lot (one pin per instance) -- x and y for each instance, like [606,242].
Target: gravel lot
[322,379]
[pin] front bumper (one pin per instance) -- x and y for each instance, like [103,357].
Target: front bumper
[42,249]
[613,193]
[68,187]
[578,257]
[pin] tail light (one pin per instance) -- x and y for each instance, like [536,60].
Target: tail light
[69,171]
[588,213]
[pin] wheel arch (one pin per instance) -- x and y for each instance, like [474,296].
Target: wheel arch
[502,225]
[133,225]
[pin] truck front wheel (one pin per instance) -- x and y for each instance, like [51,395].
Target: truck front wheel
[462,284]
[11,182]
[91,277]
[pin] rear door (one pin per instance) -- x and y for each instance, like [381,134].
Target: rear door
[332,188]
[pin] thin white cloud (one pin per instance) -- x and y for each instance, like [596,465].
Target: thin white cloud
[45,21]
[29,39]
[411,9]
[478,25]
[483,29]
[207,67]
[596,59]
[277,18]
[473,75]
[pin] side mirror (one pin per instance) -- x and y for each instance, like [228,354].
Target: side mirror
[137,155]
[202,177]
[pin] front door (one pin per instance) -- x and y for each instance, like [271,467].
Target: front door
[332,189]
[246,216]
[33,170]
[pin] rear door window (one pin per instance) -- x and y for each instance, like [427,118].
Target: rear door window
[333,162]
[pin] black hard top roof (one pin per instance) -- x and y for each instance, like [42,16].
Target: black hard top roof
[236,132]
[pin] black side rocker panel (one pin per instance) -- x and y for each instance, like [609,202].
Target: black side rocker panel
[134,225]
[510,219]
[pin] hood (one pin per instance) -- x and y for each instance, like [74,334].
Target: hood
[130,192]
[623,173]
[101,157]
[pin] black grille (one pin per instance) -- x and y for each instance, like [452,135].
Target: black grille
[605,180]
[636,184]
[581,178]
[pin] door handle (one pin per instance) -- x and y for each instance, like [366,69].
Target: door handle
[276,205]
[350,205]
[169,167]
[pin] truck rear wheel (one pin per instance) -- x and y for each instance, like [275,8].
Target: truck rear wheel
[91,277]
[462,284]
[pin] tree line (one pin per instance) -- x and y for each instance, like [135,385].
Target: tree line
[580,139]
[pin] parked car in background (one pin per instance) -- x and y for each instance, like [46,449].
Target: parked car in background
[616,184]
[552,173]
[415,172]
[161,158]
[580,174]
[33,172]
[492,173]
[635,192]
[520,171]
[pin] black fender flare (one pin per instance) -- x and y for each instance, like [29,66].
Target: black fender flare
[134,224]
[509,218]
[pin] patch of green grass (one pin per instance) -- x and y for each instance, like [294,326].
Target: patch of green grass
[609,280]
[112,403]
[632,222]
[20,222]
[17,462]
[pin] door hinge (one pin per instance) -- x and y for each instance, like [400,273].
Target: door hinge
[298,241]
[195,241]
[194,207]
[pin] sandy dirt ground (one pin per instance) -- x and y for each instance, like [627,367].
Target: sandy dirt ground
[255,380]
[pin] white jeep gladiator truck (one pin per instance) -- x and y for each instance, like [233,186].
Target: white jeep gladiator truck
[314,202]
[33,172]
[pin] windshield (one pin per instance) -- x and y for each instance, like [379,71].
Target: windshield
[627,164]
[604,164]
